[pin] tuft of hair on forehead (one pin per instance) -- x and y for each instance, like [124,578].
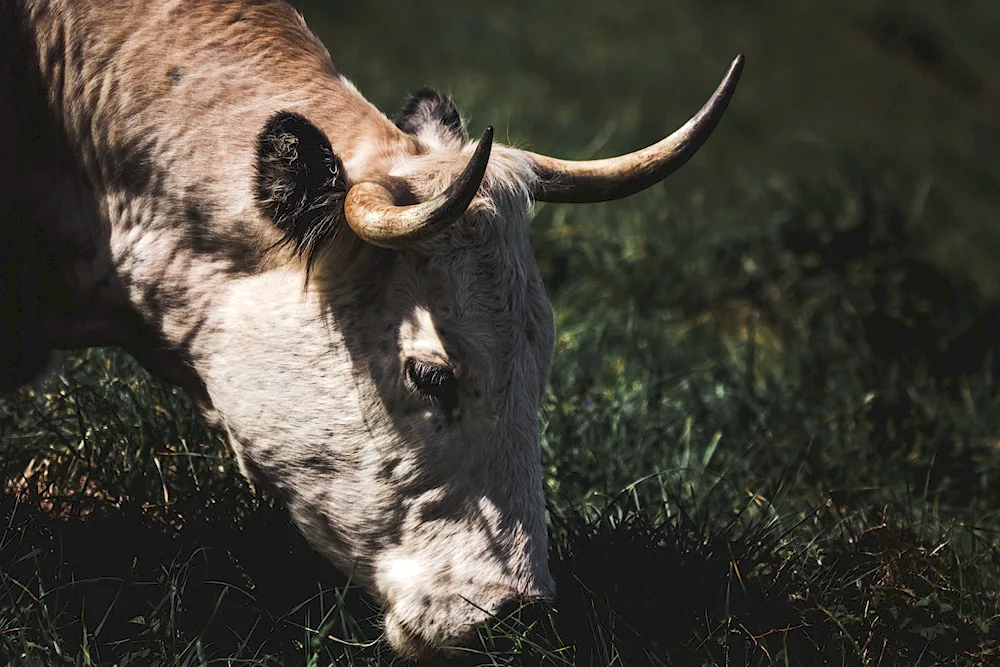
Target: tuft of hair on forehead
[506,191]
[433,117]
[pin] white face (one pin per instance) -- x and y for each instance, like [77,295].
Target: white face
[398,420]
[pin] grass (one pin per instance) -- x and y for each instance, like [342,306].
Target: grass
[771,435]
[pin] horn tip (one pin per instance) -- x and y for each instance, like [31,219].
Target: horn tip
[488,134]
[737,66]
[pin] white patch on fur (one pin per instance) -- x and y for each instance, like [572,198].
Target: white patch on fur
[401,572]
[437,138]
[418,339]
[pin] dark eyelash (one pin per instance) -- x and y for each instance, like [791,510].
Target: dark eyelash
[435,381]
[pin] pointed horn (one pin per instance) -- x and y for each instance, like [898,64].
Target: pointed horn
[566,181]
[372,214]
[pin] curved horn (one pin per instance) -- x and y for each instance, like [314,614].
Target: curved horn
[566,181]
[372,214]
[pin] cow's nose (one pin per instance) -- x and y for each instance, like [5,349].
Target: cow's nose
[512,613]
[421,631]
[503,604]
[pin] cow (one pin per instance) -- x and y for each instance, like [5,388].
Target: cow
[352,299]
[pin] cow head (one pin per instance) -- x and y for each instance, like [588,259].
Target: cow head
[386,382]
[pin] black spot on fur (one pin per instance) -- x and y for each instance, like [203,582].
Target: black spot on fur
[237,254]
[175,74]
[130,165]
[235,247]
[429,106]
[446,509]
[300,183]
[388,468]
[195,215]
[159,299]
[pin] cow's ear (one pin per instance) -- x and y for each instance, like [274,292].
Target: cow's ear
[300,182]
[430,110]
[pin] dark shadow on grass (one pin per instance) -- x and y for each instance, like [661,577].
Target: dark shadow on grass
[197,583]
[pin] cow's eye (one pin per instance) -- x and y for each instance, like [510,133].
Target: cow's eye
[435,381]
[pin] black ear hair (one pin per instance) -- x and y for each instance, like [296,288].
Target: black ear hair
[429,106]
[300,182]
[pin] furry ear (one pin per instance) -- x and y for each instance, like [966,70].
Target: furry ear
[429,109]
[300,182]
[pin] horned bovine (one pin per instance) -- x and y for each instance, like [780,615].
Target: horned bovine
[352,298]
